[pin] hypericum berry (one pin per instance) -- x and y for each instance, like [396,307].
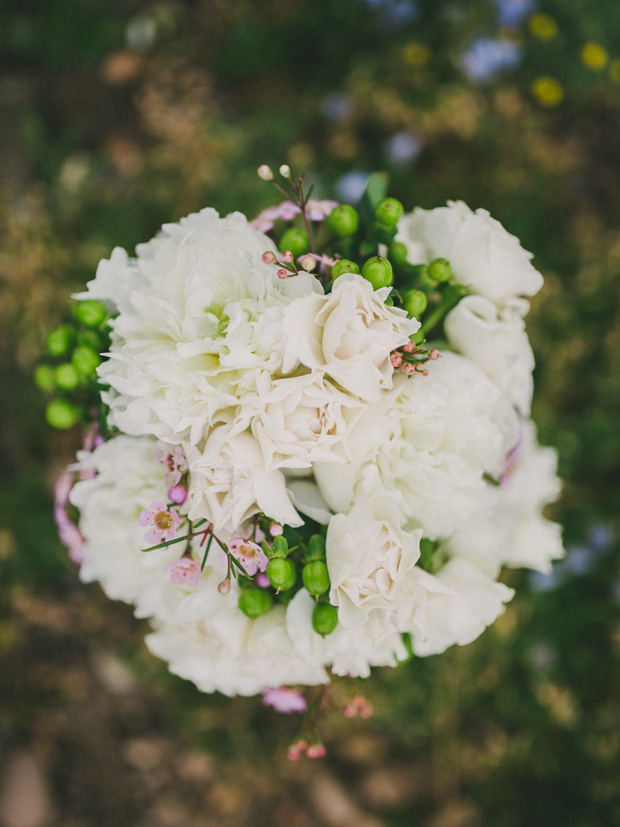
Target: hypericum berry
[60,340]
[255,602]
[383,233]
[343,266]
[389,211]
[296,241]
[85,360]
[316,577]
[440,269]
[324,618]
[44,377]
[90,312]
[415,302]
[343,220]
[316,548]
[398,253]
[281,573]
[66,376]
[62,414]
[92,339]
[378,271]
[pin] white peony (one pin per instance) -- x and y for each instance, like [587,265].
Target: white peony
[200,319]
[433,439]
[348,334]
[304,419]
[484,256]
[495,339]
[369,558]
[217,647]
[229,484]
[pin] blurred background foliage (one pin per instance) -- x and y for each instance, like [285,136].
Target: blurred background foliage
[118,116]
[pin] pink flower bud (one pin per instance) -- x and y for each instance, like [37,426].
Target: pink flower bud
[408,369]
[275,530]
[282,274]
[350,711]
[177,494]
[265,172]
[408,347]
[316,751]
[287,257]
[307,263]
[224,586]
[269,257]
[434,354]
[262,580]
[396,359]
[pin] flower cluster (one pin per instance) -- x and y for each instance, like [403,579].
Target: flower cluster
[319,452]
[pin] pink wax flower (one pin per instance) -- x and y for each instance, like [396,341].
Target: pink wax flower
[184,572]
[164,522]
[249,554]
[69,534]
[177,494]
[264,221]
[174,462]
[317,210]
[284,700]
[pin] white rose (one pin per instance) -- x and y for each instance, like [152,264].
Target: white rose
[369,557]
[483,255]
[349,334]
[304,419]
[495,340]
[229,483]
[433,439]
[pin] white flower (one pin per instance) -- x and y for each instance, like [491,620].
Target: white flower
[433,439]
[229,483]
[460,601]
[495,340]
[129,476]
[347,651]
[483,255]
[349,334]
[369,557]
[200,319]
[304,419]
[217,647]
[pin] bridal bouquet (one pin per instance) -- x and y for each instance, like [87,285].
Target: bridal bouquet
[308,442]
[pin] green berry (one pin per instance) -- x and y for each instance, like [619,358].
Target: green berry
[415,302]
[91,339]
[44,377]
[398,253]
[316,577]
[89,312]
[255,602]
[378,271]
[316,548]
[440,269]
[281,573]
[389,211]
[66,376]
[324,618]
[60,340]
[85,360]
[345,265]
[279,546]
[383,233]
[343,220]
[62,414]
[296,240]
